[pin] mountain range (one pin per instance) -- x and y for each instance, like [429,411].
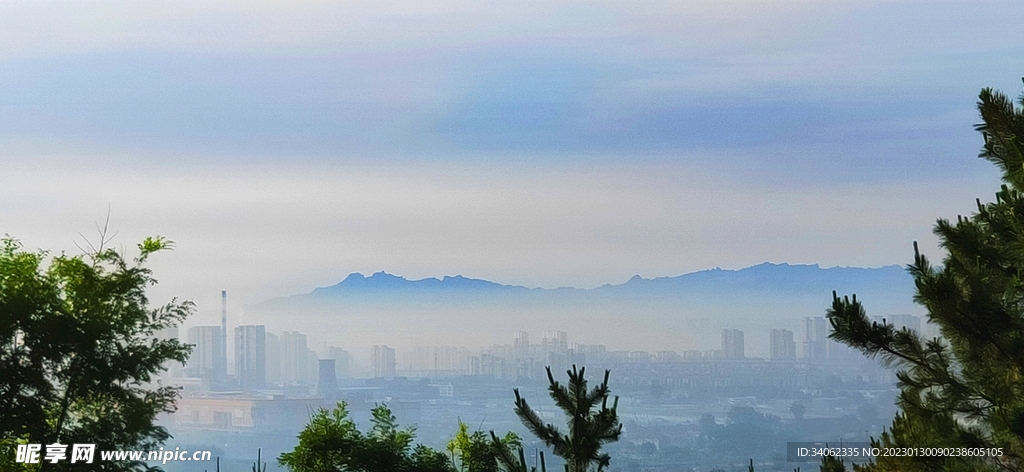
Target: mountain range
[685,311]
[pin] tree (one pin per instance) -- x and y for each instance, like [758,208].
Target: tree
[591,422]
[514,462]
[478,452]
[331,442]
[965,389]
[828,464]
[79,353]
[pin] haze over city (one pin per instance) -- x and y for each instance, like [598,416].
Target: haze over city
[426,204]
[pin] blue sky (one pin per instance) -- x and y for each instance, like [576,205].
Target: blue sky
[478,80]
[286,144]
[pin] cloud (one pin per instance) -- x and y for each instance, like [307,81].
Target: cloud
[287,80]
[285,144]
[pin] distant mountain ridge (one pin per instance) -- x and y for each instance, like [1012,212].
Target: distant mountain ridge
[677,312]
[767,276]
[383,281]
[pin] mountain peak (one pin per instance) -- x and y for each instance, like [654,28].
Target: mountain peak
[385,275]
[353,277]
[357,279]
[765,279]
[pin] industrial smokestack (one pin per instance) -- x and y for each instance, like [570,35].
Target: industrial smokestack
[224,334]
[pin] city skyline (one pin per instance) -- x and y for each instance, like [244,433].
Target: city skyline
[277,364]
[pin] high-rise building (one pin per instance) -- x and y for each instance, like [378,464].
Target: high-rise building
[783,347]
[521,344]
[930,330]
[295,359]
[732,344]
[819,348]
[555,341]
[289,359]
[274,360]
[206,361]
[816,339]
[557,361]
[251,356]
[383,360]
[222,373]
[174,368]
[434,360]
[575,357]
[342,362]
[594,353]
[313,366]
[493,366]
[840,353]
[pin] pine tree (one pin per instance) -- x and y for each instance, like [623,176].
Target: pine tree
[509,461]
[965,389]
[591,422]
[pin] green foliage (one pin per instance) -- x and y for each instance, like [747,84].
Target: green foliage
[78,353]
[829,464]
[591,422]
[478,452]
[8,451]
[332,442]
[511,462]
[965,389]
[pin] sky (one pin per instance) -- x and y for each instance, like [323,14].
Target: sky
[284,145]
